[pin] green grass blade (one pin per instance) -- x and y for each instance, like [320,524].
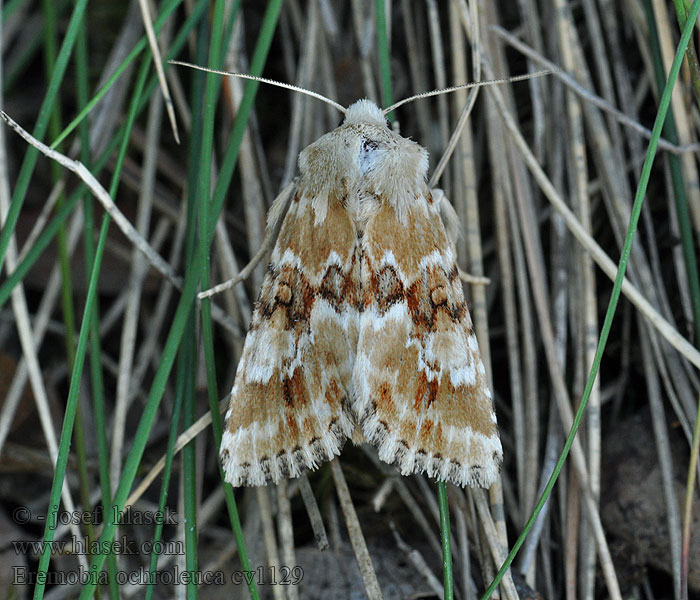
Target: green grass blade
[681,201]
[38,247]
[68,310]
[185,381]
[688,504]
[30,158]
[51,230]
[140,46]
[76,375]
[188,351]
[182,311]
[690,261]
[384,56]
[9,8]
[165,484]
[615,296]
[149,412]
[257,63]
[260,53]
[69,416]
[445,539]
[98,404]
[690,54]
[30,47]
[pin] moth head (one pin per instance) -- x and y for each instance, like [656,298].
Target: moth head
[364,111]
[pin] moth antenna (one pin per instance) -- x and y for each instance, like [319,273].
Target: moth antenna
[287,86]
[466,86]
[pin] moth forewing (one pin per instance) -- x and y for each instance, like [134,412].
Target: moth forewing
[288,409]
[362,321]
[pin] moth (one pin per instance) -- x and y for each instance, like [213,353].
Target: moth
[361,329]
